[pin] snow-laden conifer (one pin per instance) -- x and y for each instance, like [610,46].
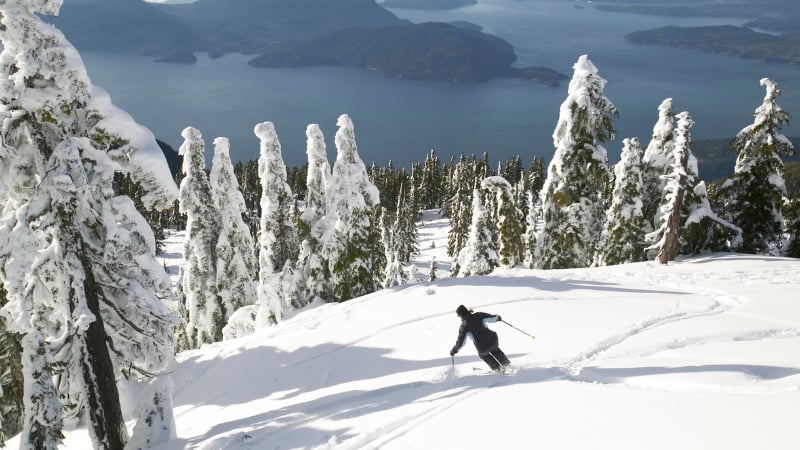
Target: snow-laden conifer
[624,230]
[207,313]
[278,242]
[76,262]
[404,229]
[462,184]
[572,196]
[351,235]
[236,264]
[657,163]
[754,196]
[479,255]
[532,223]
[688,225]
[510,227]
[311,227]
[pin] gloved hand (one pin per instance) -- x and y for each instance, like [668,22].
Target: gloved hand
[499,319]
[453,352]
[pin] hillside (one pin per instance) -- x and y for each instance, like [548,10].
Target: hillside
[428,51]
[251,26]
[624,358]
[726,39]
[96,25]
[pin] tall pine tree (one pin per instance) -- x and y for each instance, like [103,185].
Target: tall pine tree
[351,234]
[754,196]
[77,263]
[207,313]
[624,230]
[278,243]
[573,203]
[236,264]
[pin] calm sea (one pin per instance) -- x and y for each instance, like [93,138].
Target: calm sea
[402,120]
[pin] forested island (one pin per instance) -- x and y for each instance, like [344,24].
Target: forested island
[427,51]
[297,33]
[725,39]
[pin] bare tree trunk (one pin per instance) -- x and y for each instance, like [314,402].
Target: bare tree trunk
[669,250]
[105,412]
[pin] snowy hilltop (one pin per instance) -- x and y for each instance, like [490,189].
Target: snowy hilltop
[698,354]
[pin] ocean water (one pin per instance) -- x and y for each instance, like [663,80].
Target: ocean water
[401,120]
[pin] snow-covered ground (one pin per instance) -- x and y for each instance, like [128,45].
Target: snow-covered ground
[703,353]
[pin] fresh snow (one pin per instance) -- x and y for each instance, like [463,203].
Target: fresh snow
[703,353]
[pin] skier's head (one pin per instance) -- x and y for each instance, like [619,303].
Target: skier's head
[462,311]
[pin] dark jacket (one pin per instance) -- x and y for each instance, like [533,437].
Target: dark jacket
[474,325]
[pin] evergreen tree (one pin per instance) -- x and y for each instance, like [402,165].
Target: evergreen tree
[572,201]
[657,164]
[351,237]
[624,231]
[430,184]
[11,379]
[688,225]
[460,205]
[479,255]
[404,230]
[311,227]
[531,230]
[278,241]
[754,196]
[792,215]
[206,311]
[77,262]
[236,264]
[509,227]
[433,270]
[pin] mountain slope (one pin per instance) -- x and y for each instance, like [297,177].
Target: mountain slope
[701,353]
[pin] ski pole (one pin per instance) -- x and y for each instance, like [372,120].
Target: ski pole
[512,326]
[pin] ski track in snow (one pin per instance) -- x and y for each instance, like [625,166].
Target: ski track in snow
[719,305]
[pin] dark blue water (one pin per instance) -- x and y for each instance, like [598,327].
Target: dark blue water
[402,120]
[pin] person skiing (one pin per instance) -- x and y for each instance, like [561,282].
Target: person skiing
[485,340]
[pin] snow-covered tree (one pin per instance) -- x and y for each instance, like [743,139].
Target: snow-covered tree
[510,227]
[11,380]
[573,204]
[352,235]
[404,229]
[236,264]
[688,225]
[311,227]
[433,270]
[531,229]
[479,255]
[77,263]
[278,241]
[754,196]
[459,208]
[624,230]
[207,313]
[657,163]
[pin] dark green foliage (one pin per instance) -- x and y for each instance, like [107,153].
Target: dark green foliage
[791,213]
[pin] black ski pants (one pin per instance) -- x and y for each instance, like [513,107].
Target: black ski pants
[494,358]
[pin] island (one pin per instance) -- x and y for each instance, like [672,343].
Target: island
[431,5]
[725,39]
[427,51]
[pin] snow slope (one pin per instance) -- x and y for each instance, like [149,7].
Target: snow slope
[701,354]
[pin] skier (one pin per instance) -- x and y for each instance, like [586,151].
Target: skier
[485,340]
